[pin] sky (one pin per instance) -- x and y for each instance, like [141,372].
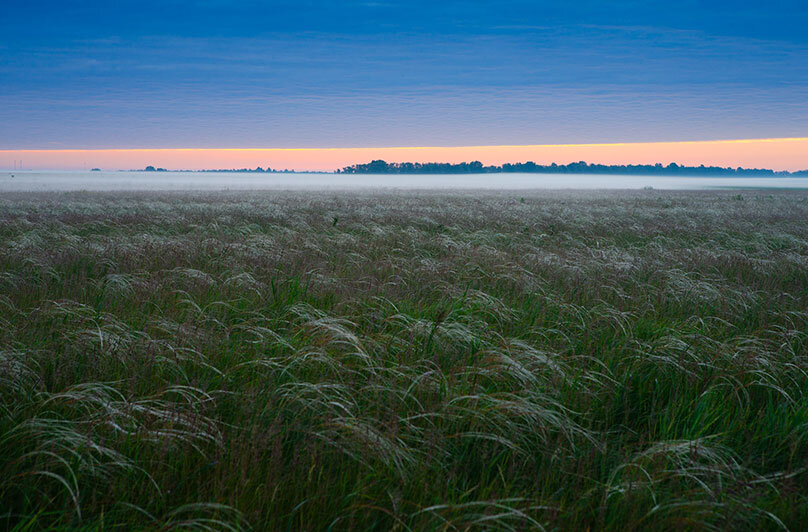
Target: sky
[217,74]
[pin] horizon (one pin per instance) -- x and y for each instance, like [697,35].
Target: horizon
[783,154]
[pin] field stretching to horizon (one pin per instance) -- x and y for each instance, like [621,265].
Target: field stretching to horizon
[547,360]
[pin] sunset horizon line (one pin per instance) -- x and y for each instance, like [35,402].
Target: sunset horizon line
[783,153]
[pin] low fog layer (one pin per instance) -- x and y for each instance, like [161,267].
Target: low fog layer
[163,181]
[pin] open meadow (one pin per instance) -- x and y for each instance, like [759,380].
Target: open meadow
[545,360]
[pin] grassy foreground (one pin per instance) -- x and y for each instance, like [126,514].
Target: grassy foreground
[419,361]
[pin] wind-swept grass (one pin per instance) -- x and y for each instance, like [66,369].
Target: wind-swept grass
[404,361]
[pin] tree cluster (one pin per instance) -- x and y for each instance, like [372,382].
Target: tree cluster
[581,167]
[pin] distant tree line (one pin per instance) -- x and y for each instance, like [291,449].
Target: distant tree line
[256,170]
[476,167]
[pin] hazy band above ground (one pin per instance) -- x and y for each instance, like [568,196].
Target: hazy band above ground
[239,181]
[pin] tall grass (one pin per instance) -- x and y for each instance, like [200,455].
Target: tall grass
[418,361]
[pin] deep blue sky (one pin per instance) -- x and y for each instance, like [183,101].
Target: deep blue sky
[393,73]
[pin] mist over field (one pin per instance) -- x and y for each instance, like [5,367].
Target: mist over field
[183,181]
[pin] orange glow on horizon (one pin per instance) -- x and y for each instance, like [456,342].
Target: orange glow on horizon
[778,154]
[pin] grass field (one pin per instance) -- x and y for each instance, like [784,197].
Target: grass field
[404,361]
